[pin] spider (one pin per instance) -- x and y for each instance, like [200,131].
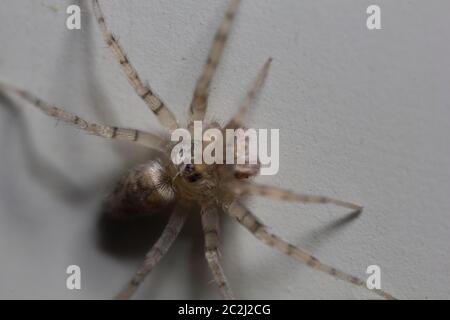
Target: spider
[210,190]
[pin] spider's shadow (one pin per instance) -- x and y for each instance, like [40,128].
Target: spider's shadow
[316,236]
[131,239]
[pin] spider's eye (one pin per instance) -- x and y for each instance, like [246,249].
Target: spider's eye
[194,177]
[190,173]
[189,168]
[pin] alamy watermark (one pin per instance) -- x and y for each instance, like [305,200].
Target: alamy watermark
[73,281]
[374,279]
[240,146]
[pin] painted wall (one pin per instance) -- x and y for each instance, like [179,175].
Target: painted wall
[363,116]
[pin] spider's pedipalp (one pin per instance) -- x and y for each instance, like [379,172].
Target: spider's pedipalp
[156,105]
[248,188]
[236,121]
[259,230]
[159,249]
[146,139]
[210,224]
[199,101]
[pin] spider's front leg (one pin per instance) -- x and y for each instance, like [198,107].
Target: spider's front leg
[199,103]
[210,224]
[236,121]
[110,132]
[155,104]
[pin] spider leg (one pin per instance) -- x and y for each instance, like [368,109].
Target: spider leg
[156,105]
[259,230]
[159,249]
[236,121]
[199,101]
[110,132]
[247,188]
[210,224]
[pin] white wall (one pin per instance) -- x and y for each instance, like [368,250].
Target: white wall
[363,115]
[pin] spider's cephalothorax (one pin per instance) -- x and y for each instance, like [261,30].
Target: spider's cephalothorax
[159,185]
[152,187]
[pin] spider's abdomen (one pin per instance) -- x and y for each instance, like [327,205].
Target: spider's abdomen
[144,190]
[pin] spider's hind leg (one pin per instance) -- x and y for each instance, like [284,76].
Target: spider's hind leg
[210,224]
[155,254]
[259,230]
[249,188]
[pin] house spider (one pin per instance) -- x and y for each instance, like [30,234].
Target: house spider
[160,185]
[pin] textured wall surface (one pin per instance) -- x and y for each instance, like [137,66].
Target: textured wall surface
[363,116]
